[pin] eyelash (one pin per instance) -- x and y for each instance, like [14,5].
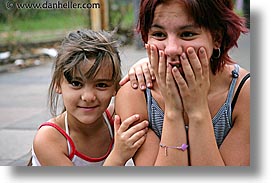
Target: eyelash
[158,34]
[99,85]
[185,35]
[188,34]
[76,84]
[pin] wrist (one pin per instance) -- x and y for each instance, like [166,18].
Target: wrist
[114,160]
[199,117]
[173,115]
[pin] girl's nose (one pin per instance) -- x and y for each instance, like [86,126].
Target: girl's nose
[173,48]
[88,96]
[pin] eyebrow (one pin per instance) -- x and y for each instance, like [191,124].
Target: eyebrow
[101,80]
[180,28]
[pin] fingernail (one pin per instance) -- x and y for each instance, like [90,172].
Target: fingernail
[151,47]
[142,87]
[190,50]
[175,69]
[135,85]
[149,84]
[183,56]
[201,50]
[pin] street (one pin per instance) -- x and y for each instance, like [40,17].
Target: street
[23,101]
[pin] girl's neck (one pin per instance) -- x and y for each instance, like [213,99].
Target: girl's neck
[221,80]
[86,129]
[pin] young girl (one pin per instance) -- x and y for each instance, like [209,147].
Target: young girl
[86,75]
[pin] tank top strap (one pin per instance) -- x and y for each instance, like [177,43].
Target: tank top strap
[67,132]
[68,138]
[235,75]
[148,97]
[109,122]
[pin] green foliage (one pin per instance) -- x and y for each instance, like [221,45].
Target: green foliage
[121,14]
[23,25]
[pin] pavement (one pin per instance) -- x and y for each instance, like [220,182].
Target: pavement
[23,101]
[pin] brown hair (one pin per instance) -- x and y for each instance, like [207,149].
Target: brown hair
[77,48]
[214,15]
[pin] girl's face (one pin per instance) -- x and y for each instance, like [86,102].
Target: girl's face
[86,99]
[173,31]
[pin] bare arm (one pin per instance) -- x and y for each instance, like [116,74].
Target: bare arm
[130,101]
[127,103]
[173,133]
[236,146]
[56,155]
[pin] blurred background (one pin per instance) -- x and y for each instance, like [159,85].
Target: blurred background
[23,29]
[30,35]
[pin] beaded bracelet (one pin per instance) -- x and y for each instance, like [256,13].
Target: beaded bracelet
[183,147]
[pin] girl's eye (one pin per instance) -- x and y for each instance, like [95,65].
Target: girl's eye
[101,85]
[76,83]
[158,34]
[188,34]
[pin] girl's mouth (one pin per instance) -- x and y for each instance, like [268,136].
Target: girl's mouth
[178,65]
[88,108]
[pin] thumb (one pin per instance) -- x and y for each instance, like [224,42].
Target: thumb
[117,123]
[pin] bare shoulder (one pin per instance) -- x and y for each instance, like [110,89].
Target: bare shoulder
[236,146]
[241,110]
[49,143]
[129,101]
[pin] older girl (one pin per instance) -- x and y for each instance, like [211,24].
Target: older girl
[198,106]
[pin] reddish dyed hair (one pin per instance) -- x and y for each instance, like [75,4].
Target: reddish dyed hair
[217,16]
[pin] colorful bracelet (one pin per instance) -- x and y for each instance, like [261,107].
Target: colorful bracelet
[183,147]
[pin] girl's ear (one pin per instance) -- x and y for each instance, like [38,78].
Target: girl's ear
[114,93]
[58,89]
[218,39]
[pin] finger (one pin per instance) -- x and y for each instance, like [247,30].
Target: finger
[117,123]
[195,63]
[154,58]
[147,74]
[137,127]
[186,67]
[152,72]
[148,50]
[128,122]
[173,90]
[169,78]
[140,77]
[137,136]
[162,67]
[124,80]
[181,83]
[204,62]
[139,142]
[132,78]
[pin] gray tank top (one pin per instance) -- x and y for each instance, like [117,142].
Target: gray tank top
[222,121]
